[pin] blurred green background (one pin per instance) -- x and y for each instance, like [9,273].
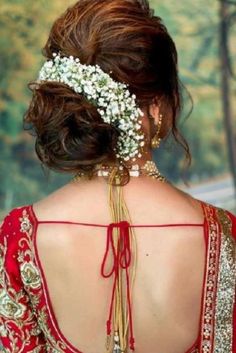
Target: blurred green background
[205,34]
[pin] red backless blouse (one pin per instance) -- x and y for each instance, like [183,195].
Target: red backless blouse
[27,320]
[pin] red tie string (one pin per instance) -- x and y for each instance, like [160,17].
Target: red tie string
[121,259]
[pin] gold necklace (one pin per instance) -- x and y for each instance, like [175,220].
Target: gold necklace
[149,169]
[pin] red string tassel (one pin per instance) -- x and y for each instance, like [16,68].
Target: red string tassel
[125,255]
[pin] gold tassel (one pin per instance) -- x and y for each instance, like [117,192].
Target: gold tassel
[119,212]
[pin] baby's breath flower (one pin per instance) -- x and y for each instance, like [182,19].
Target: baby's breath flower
[113,99]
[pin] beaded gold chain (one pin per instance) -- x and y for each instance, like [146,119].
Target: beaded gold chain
[149,169]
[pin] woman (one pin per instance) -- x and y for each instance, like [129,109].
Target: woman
[118,259]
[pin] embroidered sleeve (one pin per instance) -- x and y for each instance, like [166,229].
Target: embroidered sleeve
[233,219]
[19,330]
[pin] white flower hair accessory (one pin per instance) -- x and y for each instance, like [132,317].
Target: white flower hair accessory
[113,100]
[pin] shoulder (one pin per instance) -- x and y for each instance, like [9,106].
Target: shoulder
[232,217]
[14,216]
[13,228]
[225,218]
[181,205]
[222,215]
[16,222]
[229,220]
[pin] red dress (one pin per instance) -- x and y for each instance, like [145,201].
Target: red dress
[27,321]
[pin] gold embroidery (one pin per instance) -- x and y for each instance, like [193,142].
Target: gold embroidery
[29,272]
[207,325]
[226,287]
[30,275]
[25,225]
[16,322]
[10,309]
[58,346]
[32,280]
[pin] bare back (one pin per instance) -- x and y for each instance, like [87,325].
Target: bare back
[170,268]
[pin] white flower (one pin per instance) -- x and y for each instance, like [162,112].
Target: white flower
[99,88]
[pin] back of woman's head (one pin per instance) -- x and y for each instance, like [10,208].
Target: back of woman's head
[127,41]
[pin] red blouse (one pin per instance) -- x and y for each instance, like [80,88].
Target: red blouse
[27,320]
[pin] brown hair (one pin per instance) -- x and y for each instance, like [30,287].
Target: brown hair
[126,40]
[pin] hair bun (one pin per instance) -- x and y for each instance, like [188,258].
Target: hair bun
[70,134]
[124,38]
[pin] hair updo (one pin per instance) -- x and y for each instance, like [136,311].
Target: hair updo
[126,40]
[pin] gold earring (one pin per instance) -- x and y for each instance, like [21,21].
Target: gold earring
[156,140]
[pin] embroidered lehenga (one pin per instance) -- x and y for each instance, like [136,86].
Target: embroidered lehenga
[27,321]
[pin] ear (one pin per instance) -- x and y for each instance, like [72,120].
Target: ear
[154,111]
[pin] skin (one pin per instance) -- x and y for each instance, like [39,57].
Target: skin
[170,270]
